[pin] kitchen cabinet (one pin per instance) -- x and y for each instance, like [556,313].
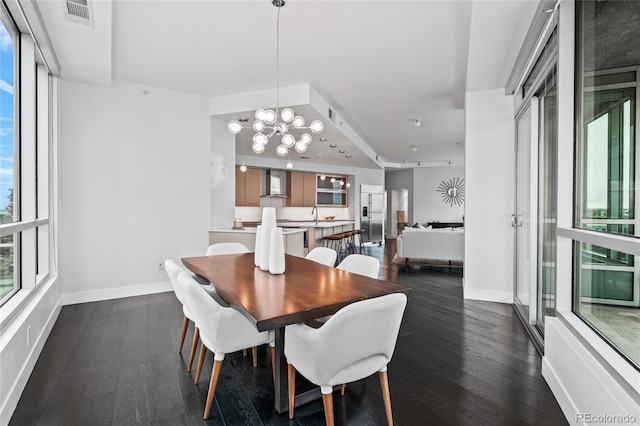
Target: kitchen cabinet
[331,193]
[247,187]
[301,187]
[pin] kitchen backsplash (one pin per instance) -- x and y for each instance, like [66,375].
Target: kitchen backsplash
[254,214]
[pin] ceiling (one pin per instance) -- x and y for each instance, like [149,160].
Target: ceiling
[379,64]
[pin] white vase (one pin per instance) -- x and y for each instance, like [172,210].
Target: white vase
[268,223]
[276,251]
[256,250]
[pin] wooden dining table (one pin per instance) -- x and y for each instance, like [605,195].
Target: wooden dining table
[307,290]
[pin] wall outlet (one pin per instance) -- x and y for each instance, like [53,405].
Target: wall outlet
[161,266]
[29,336]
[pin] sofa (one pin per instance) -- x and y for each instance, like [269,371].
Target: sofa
[437,247]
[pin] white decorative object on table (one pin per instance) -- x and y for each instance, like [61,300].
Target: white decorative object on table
[268,223]
[256,250]
[276,251]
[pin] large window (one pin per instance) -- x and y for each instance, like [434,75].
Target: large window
[8,160]
[606,275]
[26,93]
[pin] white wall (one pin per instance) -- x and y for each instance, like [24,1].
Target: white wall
[401,179]
[489,196]
[222,180]
[134,169]
[428,205]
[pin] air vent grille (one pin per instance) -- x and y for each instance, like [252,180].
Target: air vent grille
[78,11]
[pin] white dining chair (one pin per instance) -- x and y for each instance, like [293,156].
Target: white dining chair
[361,264]
[226,248]
[356,342]
[222,330]
[173,270]
[324,255]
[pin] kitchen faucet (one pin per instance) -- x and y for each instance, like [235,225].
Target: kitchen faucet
[315,209]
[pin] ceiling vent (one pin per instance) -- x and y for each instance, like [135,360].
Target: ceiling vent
[78,11]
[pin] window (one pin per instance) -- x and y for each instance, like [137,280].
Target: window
[26,99]
[8,157]
[606,292]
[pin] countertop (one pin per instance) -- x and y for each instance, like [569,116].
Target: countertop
[252,230]
[307,223]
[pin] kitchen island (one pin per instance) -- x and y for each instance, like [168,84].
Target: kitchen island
[317,230]
[293,238]
[312,233]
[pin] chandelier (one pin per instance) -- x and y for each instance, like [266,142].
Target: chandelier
[278,123]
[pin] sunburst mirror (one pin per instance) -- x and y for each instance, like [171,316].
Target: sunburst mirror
[452,191]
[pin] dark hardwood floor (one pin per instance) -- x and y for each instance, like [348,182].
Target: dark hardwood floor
[457,362]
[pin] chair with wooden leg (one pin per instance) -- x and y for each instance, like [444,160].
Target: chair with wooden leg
[173,270]
[222,330]
[356,342]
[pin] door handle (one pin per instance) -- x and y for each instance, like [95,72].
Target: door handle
[516,220]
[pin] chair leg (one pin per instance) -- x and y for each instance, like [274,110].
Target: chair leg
[185,324]
[327,401]
[244,352]
[194,345]
[273,362]
[217,365]
[203,351]
[254,354]
[342,389]
[384,384]
[291,378]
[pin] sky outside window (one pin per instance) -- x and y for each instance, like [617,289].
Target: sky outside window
[6,120]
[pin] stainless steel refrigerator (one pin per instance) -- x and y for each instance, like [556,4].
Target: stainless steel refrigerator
[372,204]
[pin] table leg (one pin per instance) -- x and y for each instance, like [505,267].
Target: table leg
[280,385]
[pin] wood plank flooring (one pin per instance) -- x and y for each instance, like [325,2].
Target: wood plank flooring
[457,362]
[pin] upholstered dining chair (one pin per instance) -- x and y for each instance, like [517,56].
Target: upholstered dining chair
[226,248]
[356,342]
[324,255]
[173,269]
[222,330]
[361,264]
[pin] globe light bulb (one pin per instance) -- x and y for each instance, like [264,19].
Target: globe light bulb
[333,180]
[306,138]
[298,121]
[261,114]
[269,117]
[282,150]
[258,126]
[316,126]
[243,168]
[301,147]
[234,127]
[341,183]
[288,140]
[289,165]
[260,139]
[348,184]
[258,148]
[323,177]
[287,115]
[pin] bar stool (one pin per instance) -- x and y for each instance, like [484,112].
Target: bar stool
[357,235]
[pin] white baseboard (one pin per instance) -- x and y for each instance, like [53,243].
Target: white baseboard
[115,293]
[488,295]
[559,392]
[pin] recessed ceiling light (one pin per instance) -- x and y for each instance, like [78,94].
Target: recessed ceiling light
[305,158]
[333,145]
[348,155]
[322,139]
[342,151]
[243,119]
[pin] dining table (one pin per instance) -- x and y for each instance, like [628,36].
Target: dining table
[307,290]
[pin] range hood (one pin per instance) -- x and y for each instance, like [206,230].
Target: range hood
[274,183]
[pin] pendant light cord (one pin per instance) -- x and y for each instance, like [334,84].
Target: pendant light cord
[278,68]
